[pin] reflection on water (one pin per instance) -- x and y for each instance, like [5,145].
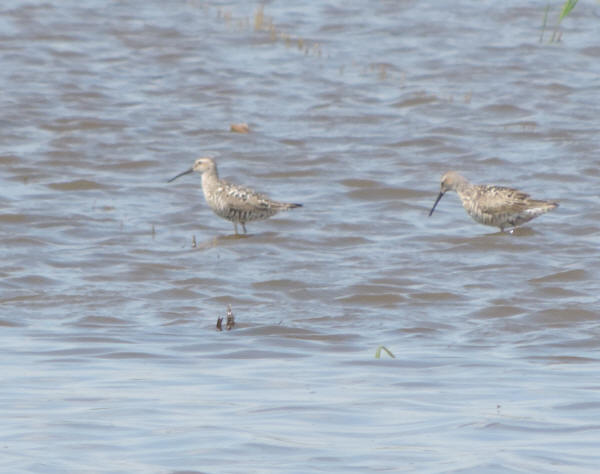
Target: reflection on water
[112,282]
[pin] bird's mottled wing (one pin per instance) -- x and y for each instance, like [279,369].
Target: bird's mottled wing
[499,200]
[243,198]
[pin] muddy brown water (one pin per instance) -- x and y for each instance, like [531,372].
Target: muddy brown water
[110,357]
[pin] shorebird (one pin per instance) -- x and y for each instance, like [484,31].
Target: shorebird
[497,206]
[230,201]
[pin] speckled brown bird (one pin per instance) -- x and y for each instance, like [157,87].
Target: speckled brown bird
[230,201]
[496,206]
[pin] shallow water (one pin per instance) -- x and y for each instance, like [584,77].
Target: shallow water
[111,361]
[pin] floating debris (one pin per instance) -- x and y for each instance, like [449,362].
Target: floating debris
[230,320]
[239,128]
[229,323]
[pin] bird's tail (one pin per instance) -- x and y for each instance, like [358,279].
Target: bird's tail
[549,205]
[284,206]
[542,206]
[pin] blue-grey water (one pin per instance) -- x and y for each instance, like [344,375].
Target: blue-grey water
[112,280]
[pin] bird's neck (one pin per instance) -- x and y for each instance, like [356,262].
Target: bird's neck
[210,177]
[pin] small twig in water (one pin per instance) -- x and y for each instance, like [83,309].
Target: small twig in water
[544,22]
[378,352]
[230,320]
[566,9]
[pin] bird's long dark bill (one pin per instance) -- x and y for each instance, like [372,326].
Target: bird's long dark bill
[191,170]
[440,196]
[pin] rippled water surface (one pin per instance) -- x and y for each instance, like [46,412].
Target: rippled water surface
[112,280]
